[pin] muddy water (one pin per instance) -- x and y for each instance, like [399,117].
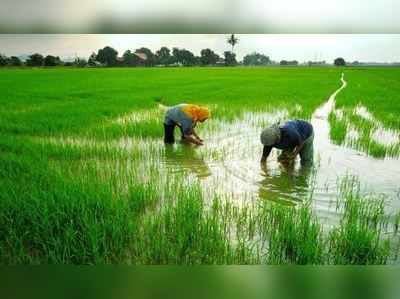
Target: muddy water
[228,165]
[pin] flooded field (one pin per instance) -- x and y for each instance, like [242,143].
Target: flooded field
[138,201]
[229,164]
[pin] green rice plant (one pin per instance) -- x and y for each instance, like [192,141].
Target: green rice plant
[51,216]
[359,237]
[377,89]
[294,235]
[338,129]
[396,223]
[183,232]
[378,150]
[73,101]
[147,129]
[364,128]
[48,219]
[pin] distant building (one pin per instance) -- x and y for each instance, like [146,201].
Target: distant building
[380,64]
[95,63]
[317,63]
[220,61]
[141,56]
[288,62]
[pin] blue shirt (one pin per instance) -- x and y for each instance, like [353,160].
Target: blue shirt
[175,116]
[293,133]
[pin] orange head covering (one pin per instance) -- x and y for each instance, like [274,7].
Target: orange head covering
[197,113]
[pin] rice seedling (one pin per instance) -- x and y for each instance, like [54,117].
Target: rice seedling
[365,134]
[359,237]
[378,90]
[338,129]
[370,105]
[294,235]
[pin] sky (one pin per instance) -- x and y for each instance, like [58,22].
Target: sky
[301,47]
[272,16]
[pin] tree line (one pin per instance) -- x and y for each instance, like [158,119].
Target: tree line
[144,57]
[108,57]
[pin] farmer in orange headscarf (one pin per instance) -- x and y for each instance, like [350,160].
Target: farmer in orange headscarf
[185,116]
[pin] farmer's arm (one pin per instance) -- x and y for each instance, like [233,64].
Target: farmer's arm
[195,135]
[188,132]
[192,138]
[266,152]
[297,149]
[296,142]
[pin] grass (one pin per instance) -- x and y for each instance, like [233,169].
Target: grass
[82,181]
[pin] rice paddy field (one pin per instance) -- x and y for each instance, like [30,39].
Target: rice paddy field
[85,177]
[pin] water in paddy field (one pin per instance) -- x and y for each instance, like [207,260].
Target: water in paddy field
[229,164]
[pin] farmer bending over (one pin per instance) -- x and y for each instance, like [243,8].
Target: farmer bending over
[293,137]
[185,116]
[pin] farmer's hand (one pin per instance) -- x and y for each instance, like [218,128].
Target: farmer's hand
[286,158]
[199,142]
[264,167]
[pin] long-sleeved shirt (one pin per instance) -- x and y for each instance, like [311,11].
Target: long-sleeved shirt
[293,133]
[176,116]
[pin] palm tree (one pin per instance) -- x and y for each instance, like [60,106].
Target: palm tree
[232,40]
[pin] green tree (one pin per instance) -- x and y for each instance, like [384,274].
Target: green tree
[3,60]
[340,61]
[233,41]
[130,59]
[197,60]
[208,57]
[15,61]
[150,56]
[107,55]
[80,62]
[230,58]
[188,58]
[176,55]
[35,60]
[164,56]
[256,59]
[92,59]
[184,57]
[51,60]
